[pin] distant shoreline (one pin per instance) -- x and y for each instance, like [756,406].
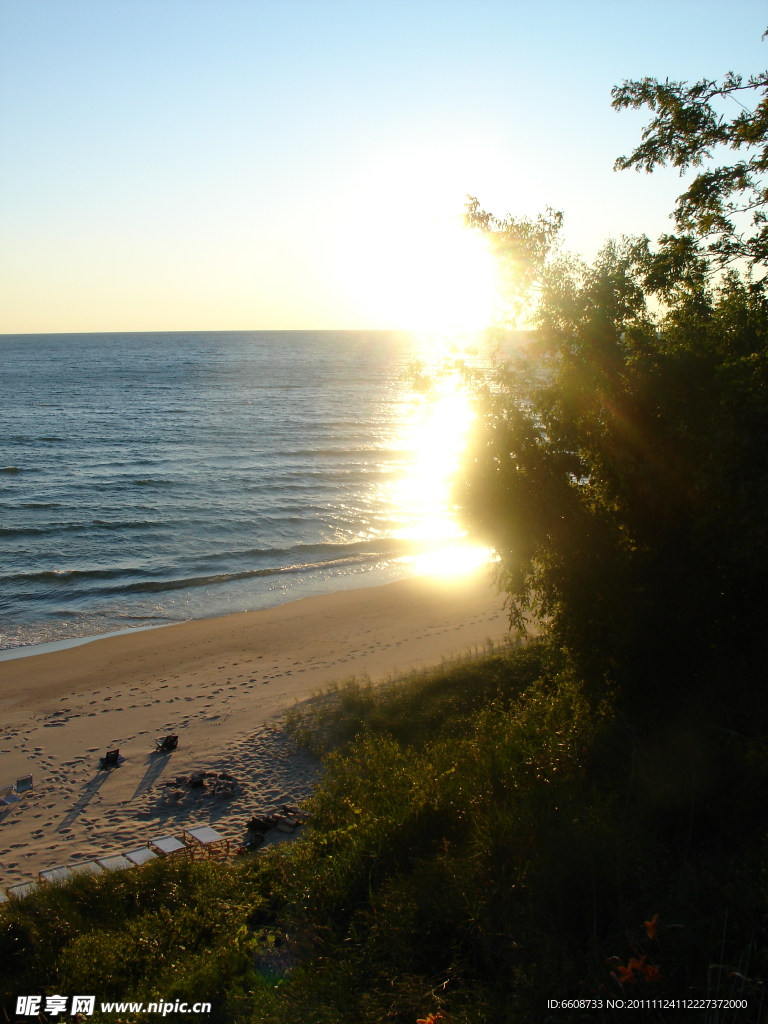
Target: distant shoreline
[32,650]
[352,582]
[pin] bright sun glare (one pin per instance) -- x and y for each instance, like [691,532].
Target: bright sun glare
[407,261]
[436,435]
[406,257]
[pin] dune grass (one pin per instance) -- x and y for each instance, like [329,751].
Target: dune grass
[486,837]
[416,707]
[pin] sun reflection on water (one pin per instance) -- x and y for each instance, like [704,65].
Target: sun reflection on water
[436,435]
[455,560]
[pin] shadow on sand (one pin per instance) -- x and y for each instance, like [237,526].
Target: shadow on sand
[87,795]
[157,761]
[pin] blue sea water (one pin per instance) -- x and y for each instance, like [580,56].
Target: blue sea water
[152,478]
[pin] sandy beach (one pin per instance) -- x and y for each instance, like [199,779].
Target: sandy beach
[220,684]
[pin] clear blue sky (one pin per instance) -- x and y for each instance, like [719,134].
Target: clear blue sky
[199,165]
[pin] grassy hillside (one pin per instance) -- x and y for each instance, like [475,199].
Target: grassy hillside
[487,837]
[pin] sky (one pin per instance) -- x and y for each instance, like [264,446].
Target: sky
[237,165]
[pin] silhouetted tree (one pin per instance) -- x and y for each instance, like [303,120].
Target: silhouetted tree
[619,463]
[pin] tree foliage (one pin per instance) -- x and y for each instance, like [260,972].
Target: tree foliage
[619,463]
[725,204]
[620,467]
[521,246]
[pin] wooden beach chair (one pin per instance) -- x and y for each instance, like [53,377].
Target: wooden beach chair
[170,846]
[54,876]
[117,862]
[88,867]
[111,759]
[140,855]
[24,785]
[206,841]
[166,744]
[21,890]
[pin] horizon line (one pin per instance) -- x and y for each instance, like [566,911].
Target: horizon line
[266,330]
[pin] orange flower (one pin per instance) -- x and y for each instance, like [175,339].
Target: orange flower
[625,974]
[432,1018]
[652,973]
[650,926]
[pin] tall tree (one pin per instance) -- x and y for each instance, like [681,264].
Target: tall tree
[619,465]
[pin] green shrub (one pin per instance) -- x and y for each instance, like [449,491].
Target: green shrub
[500,842]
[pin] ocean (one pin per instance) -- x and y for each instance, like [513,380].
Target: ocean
[152,478]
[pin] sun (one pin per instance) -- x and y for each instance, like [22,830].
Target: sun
[404,257]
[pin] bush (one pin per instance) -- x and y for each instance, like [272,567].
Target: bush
[533,843]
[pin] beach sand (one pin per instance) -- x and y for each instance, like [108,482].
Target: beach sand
[221,685]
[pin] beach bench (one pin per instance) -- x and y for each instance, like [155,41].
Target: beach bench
[117,862]
[170,846]
[140,855]
[111,759]
[206,840]
[54,876]
[24,784]
[21,890]
[167,744]
[88,867]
